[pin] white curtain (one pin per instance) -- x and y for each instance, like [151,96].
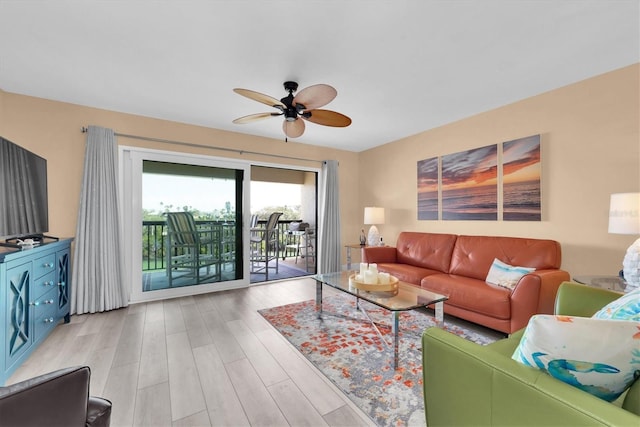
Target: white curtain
[330,213]
[97,281]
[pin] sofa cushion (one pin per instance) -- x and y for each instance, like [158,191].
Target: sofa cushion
[473,255]
[427,250]
[627,307]
[599,356]
[406,273]
[505,275]
[471,294]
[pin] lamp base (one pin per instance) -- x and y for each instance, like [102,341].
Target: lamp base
[373,239]
[631,264]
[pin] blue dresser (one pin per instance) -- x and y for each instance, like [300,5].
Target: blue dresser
[34,297]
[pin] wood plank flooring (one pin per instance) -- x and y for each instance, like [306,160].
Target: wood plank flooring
[205,360]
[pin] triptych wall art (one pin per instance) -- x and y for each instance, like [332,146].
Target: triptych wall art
[472,184]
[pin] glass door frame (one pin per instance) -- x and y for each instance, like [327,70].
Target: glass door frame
[130,162]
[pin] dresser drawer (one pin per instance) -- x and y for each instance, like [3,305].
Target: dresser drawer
[43,265]
[45,314]
[43,284]
[43,303]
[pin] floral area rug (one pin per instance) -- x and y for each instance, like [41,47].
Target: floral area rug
[346,348]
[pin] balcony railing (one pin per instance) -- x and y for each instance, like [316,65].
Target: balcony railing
[154,235]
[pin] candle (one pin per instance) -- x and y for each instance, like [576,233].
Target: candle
[363,268]
[370,277]
[383,278]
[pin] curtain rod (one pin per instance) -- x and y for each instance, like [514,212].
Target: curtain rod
[191,144]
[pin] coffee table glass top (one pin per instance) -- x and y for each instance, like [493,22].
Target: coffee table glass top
[408,296]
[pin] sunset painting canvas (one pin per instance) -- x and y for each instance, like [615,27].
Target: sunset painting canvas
[470,184]
[521,173]
[428,189]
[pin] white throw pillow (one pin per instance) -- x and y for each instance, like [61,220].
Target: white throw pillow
[506,275]
[627,307]
[599,356]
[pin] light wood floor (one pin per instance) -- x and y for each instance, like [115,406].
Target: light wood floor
[206,360]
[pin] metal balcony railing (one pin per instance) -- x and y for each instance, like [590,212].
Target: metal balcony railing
[154,239]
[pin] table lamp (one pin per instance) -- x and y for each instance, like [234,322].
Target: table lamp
[373,216]
[624,218]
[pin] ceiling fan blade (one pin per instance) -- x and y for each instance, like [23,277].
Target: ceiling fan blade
[260,97]
[293,129]
[254,117]
[315,96]
[328,118]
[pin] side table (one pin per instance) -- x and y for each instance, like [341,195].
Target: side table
[349,247]
[614,283]
[354,246]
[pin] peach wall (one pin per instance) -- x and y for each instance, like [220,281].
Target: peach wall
[53,130]
[590,142]
[590,149]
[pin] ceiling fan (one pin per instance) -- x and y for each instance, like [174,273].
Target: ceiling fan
[305,105]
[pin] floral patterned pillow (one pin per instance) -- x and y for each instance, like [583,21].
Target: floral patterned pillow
[627,307]
[599,356]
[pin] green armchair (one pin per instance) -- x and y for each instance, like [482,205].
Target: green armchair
[469,384]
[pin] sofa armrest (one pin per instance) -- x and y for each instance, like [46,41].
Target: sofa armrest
[534,293]
[524,300]
[469,384]
[550,281]
[379,254]
[574,299]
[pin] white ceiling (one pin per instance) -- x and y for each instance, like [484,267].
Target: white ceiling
[400,67]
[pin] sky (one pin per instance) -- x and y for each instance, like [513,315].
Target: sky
[206,194]
[521,159]
[474,167]
[265,194]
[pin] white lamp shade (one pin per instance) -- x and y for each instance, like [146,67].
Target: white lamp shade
[624,213]
[373,215]
[624,218]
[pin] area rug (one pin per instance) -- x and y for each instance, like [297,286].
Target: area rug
[346,348]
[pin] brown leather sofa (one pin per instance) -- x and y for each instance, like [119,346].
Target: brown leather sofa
[59,398]
[457,266]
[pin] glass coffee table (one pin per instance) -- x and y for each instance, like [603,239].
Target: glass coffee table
[408,297]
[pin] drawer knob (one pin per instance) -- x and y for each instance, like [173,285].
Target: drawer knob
[49,283]
[34,303]
[61,283]
[48,320]
[49,301]
[48,265]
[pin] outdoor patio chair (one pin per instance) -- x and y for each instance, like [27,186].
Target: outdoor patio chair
[307,249]
[264,246]
[191,249]
[303,243]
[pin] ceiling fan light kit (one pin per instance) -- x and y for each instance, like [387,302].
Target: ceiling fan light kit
[305,105]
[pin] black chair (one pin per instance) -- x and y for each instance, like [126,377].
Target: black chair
[59,398]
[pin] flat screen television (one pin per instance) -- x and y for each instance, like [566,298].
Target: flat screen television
[24,207]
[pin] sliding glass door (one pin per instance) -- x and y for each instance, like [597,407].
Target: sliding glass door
[184,215]
[191,225]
